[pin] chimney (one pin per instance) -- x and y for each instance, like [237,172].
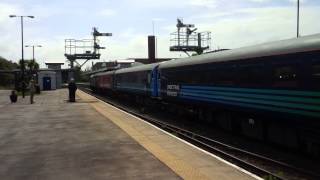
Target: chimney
[151,49]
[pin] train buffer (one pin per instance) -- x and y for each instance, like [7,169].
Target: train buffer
[89,139]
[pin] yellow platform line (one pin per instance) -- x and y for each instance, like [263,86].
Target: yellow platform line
[180,167]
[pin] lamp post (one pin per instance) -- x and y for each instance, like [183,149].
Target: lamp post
[33,46]
[22,54]
[298,18]
[33,59]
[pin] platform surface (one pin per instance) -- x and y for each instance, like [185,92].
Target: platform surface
[54,139]
[184,159]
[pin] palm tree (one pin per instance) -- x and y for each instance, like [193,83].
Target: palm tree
[30,65]
[33,66]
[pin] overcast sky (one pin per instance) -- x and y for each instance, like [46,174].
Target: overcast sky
[233,23]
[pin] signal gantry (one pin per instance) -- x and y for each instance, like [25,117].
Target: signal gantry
[187,39]
[84,49]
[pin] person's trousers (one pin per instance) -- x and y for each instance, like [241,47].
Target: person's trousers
[31,98]
[72,96]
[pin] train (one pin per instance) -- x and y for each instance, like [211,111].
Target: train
[269,91]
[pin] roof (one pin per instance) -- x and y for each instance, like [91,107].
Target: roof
[51,63]
[147,67]
[302,44]
[125,61]
[103,73]
[148,61]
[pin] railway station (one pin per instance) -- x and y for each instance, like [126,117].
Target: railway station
[147,94]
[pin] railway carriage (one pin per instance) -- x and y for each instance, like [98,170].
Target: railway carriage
[135,80]
[102,82]
[281,77]
[269,91]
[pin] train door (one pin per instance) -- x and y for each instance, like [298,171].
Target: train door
[159,82]
[154,82]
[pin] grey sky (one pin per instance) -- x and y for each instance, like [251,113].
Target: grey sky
[233,24]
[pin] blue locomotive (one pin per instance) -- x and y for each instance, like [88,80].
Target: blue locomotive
[269,91]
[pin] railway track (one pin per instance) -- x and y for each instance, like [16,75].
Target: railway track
[262,166]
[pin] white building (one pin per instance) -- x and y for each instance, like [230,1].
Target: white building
[47,80]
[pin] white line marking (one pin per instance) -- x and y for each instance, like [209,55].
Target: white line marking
[206,152]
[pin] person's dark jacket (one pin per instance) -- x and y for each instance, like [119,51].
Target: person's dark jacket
[72,86]
[72,91]
[13,97]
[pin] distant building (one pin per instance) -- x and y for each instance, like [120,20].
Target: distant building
[48,80]
[53,77]
[103,65]
[118,64]
[54,65]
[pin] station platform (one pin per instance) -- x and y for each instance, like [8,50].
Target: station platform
[89,139]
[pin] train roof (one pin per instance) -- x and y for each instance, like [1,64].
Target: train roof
[147,67]
[302,44]
[102,73]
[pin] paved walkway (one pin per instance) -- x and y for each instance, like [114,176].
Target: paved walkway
[4,97]
[53,139]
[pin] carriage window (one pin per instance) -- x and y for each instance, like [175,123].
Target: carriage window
[316,75]
[253,75]
[223,76]
[149,78]
[316,71]
[285,73]
[285,76]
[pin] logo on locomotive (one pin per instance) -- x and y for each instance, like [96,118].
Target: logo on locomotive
[173,90]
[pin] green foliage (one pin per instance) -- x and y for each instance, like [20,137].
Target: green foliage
[7,65]
[7,79]
[79,75]
[30,65]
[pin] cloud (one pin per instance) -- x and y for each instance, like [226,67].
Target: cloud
[107,12]
[204,3]
[261,25]
[6,10]
[234,24]
[259,1]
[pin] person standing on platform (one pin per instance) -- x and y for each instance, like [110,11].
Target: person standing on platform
[72,90]
[32,88]
[13,97]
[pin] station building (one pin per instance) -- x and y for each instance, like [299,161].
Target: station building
[53,77]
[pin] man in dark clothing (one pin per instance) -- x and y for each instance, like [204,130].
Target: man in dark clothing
[72,90]
[13,97]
